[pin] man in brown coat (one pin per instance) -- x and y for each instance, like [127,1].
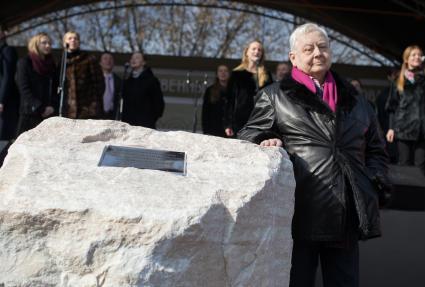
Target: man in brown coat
[85,83]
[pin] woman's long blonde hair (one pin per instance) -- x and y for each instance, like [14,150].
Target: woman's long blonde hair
[400,81]
[262,74]
[34,42]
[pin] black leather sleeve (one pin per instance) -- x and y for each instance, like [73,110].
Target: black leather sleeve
[260,125]
[376,156]
[377,161]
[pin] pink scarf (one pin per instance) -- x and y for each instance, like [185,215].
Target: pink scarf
[329,89]
[44,67]
[410,75]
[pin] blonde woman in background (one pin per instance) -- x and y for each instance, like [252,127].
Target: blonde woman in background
[37,79]
[406,108]
[244,83]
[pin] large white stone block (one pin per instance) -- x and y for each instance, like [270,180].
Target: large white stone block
[66,222]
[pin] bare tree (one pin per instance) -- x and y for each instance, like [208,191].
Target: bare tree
[232,28]
[181,30]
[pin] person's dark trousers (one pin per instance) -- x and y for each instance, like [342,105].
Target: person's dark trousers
[340,266]
[411,153]
[392,152]
[108,115]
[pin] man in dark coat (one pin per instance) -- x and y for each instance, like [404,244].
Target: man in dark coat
[9,99]
[143,99]
[331,136]
[111,95]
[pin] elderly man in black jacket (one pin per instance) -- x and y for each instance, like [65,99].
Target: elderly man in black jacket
[332,138]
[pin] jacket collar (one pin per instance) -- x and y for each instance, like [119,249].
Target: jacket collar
[419,78]
[76,57]
[304,97]
[145,73]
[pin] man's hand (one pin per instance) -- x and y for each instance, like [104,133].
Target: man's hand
[390,136]
[1,108]
[272,142]
[229,132]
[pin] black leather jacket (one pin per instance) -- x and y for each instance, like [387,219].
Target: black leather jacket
[328,151]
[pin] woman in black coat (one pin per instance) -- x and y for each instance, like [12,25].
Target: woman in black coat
[37,81]
[213,105]
[143,102]
[244,83]
[406,108]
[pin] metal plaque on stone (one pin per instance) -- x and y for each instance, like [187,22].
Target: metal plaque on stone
[123,156]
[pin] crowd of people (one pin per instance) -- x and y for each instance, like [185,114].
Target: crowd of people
[399,108]
[325,123]
[28,93]
[92,90]
[338,140]
[29,87]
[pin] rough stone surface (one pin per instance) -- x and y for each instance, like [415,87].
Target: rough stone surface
[65,222]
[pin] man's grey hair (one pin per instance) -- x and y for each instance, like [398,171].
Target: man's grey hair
[305,29]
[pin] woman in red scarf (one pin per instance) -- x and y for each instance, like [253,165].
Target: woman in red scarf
[37,80]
